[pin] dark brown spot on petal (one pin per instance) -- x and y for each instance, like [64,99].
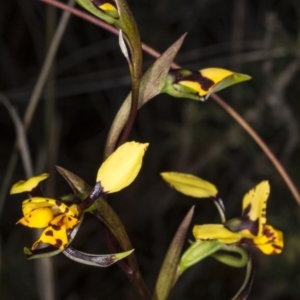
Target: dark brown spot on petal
[194,76]
[66,210]
[29,200]
[49,232]
[246,211]
[69,218]
[58,204]
[277,247]
[47,200]
[268,233]
[56,227]
[58,243]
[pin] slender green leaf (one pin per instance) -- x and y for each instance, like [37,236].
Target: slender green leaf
[197,252]
[169,269]
[238,261]
[151,85]
[154,79]
[80,188]
[228,81]
[89,6]
[95,260]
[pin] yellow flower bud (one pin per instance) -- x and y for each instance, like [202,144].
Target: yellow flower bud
[121,167]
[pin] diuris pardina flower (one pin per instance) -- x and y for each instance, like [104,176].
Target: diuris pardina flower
[249,229]
[58,218]
[199,85]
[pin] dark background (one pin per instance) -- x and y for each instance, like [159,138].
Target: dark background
[91,79]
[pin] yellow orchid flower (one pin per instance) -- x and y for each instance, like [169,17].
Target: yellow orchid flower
[121,167]
[57,217]
[250,228]
[212,80]
[117,172]
[199,85]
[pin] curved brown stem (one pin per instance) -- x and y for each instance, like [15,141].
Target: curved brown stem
[215,97]
[261,144]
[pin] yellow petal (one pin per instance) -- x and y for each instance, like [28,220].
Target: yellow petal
[108,6]
[53,235]
[61,208]
[28,185]
[38,218]
[254,206]
[212,80]
[73,211]
[70,222]
[271,242]
[190,185]
[217,232]
[56,206]
[121,167]
[36,202]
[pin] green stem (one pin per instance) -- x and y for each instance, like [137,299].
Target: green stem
[133,275]
[233,261]
[132,38]
[132,113]
[221,208]
[111,220]
[197,252]
[244,290]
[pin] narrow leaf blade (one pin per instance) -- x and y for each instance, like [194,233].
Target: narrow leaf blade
[80,188]
[151,85]
[95,260]
[155,78]
[169,269]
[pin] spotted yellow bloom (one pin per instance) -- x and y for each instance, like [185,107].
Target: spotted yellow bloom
[58,218]
[199,85]
[250,228]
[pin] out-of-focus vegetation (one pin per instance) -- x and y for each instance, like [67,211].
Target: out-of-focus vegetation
[88,83]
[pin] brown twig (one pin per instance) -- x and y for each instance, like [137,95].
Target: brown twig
[261,144]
